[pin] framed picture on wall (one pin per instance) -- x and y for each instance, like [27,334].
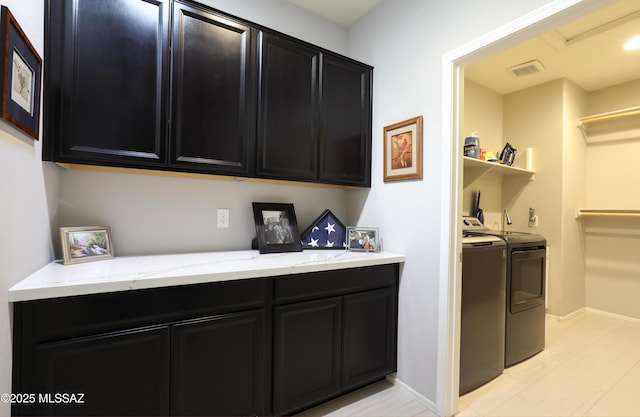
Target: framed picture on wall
[403,150]
[276,228]
[21,77]
[85,244]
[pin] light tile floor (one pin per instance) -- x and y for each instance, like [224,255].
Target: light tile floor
[590,367]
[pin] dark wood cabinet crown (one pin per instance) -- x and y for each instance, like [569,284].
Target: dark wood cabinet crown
[174,85]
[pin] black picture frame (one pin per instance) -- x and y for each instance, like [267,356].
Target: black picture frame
[21,77]
[276,227]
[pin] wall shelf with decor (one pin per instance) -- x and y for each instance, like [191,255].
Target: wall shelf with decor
[475,168]
[611,126]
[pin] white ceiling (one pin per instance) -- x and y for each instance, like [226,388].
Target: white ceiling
[342,12]
[587,51]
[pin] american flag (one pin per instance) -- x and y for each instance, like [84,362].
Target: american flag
[327,232]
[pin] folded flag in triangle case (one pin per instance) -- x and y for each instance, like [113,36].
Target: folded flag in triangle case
[326,232]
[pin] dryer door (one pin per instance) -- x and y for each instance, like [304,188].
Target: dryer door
[527,279]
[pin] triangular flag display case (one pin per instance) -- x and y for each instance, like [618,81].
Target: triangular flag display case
[326,232]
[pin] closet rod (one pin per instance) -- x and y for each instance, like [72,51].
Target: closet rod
[607,213]
[608,116]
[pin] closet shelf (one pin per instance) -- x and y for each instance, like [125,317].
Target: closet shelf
[580,213]
[473,163]
[616,125]
[475,168]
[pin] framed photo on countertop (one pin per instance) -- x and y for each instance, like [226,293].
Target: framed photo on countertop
[276,227]
[85,244]
[363,239]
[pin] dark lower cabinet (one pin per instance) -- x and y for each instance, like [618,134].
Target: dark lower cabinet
[262,346]
[218,365]
[369,336]
[307,353]
[108,374]
[327,347]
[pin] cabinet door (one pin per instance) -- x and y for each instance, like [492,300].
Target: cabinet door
[106,82]
[369,337]
[288,110]
[307,345]
[218,365]
[123,373]
[213,103]
[345,141]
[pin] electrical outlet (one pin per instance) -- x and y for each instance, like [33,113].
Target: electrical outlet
[533,222]
[223,218]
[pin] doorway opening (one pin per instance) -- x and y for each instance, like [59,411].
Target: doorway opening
[529,26]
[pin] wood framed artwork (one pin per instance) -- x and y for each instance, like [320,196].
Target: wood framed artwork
[21,77]
[85,244]
[403,150]
[276,228]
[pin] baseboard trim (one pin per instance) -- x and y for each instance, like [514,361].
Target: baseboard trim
[569,316]
[393,378]
[614,315]
[585,310]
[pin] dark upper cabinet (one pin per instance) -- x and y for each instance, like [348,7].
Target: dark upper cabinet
[314,115]
[106,82]
[212,92]
[174,85]
[345,137]
[288,109]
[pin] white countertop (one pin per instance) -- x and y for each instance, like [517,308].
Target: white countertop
[153,271]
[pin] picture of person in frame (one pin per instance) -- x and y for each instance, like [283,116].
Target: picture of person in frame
[276,227]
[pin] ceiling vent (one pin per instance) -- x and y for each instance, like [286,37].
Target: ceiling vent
[526,68]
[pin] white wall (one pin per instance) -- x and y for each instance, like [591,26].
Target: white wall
[543,118]
[574,195]
[25,186]
[405,41]
[483,109]
[151,214]
[612,244]
[287,18]
[610,176]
